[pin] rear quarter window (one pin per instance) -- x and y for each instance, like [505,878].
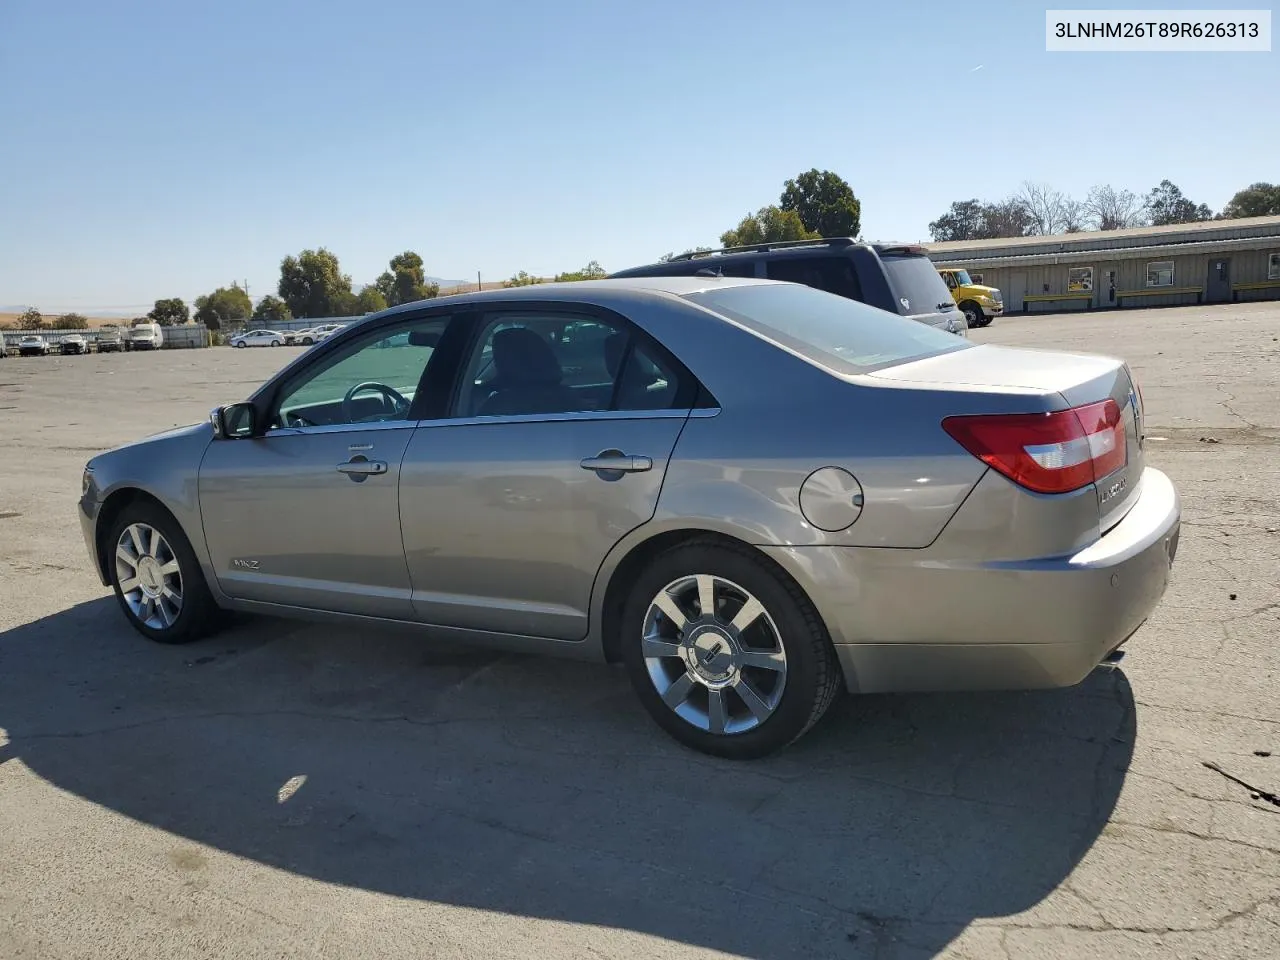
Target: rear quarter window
[833,331]
[916,280]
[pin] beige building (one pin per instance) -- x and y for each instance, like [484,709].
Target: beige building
[1218,261]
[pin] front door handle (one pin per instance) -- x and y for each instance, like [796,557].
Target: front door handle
[363,468]
[615,461]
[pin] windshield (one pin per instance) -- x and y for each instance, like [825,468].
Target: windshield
[962,277]
[916,280]
[836,332]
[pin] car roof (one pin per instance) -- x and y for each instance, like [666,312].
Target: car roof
[618,291]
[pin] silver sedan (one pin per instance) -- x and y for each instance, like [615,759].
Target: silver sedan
[753,494]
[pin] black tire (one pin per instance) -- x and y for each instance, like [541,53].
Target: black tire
[973,315]
[199,614]
[241,345]
[813,677]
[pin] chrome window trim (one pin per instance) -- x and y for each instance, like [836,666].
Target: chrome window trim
[576,416]
[325,428]
[582,415]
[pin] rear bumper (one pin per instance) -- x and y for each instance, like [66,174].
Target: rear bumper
[904,622]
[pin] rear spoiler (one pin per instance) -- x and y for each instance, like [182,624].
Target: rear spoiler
[905,250]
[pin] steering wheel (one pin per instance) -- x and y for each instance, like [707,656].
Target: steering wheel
[399,403]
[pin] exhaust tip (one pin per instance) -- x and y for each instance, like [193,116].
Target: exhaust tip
[1112,660]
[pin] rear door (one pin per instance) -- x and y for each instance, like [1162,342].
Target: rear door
[555,448]
[919,292]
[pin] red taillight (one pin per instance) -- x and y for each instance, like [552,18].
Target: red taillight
[1047,452]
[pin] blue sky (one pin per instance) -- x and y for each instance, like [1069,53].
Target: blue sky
[150,148]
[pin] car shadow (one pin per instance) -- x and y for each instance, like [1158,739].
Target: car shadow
[539,788]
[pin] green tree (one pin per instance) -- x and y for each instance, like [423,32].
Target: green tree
[825,203]
[1255,200]
[1165,204]
[72,321]
[272,310]
[310,281]
[370,300]
[224,305]
[170,312]
[31,319]
[522,279]
[406,281]
[344,303]
[964,220]
[592,271]
[767,225]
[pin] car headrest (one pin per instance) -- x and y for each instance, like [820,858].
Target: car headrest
[521,356]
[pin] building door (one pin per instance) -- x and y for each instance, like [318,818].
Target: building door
[1017,290]
[1105,285]
[1218,289]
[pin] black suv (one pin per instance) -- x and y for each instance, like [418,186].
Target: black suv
[896,277]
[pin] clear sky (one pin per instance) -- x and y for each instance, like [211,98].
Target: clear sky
[155,148]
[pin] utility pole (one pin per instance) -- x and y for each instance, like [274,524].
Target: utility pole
[479,285]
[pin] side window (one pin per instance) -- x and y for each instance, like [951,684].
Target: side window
[951,280]
[739,268]
[529,364]
[832,274]
[371,380]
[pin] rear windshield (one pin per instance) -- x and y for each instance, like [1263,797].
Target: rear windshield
[916,279]
[843,334]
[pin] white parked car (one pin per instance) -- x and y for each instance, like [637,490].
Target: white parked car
[258,338]
[305,337]
[33,345]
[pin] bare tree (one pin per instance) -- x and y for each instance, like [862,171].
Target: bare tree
[1074,215]
[1045,206]
[1110,209]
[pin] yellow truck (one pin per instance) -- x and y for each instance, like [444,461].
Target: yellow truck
[980,304]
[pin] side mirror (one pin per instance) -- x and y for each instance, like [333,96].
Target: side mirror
[235,421]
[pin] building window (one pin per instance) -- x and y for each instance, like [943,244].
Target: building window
[1273,266]
[1080,280]
[1160,273]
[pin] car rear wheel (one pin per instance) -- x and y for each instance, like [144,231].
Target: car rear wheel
[156,577]
[725,652]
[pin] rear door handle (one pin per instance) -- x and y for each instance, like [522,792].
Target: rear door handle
[615,461]
[363,468]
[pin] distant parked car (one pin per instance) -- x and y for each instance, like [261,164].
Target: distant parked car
[33,345]
[73,343]
[144,336]
[258,338]
[305,337]
[109,340]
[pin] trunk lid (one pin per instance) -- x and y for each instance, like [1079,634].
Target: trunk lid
[1078,379]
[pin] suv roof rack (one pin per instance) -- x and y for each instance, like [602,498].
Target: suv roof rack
[762,247]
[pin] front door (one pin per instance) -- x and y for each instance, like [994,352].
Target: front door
[1105,285]
[307,514]
[555,449]
[1017,290]
[1218,287]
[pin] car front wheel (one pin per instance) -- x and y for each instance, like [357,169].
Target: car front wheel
[156,577]
[726,652]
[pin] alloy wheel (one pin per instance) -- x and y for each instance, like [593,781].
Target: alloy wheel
[149,576]
[714,654]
